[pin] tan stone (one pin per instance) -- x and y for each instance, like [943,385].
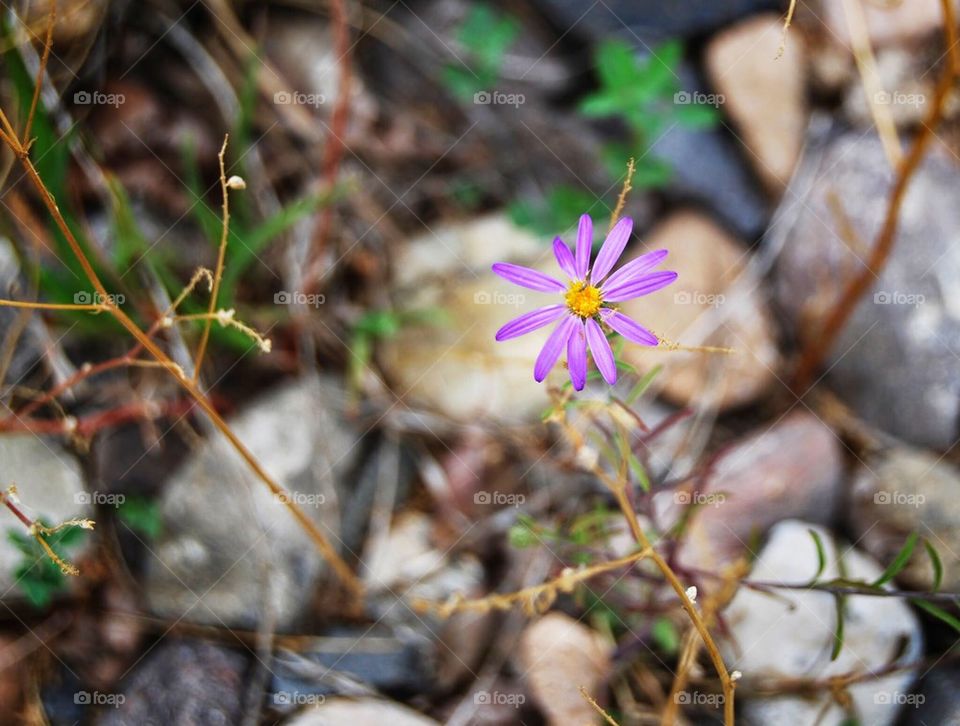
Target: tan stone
[762,94]
[557,656]
[707,305]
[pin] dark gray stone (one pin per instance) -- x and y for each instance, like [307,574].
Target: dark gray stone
[648,20]
[182,682]
[936,699]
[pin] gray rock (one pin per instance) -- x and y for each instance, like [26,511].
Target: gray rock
[452,365]
[904,490]
[791,469]
[556,654]
[29,333]
[708,168]
[182,682]
[360,712]
[404,564]
[648,20]
[765,98]
[886,25]
[231,552]
[789,636]
[936,700]
[50,485]
[396,663]
[895,362]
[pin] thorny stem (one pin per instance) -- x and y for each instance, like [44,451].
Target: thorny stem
[9,136]
[818,347]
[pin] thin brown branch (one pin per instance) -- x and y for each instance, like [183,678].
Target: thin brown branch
[342,570]
[41,71]
[819,346]
[221,256]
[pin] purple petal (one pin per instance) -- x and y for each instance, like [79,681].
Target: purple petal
[628,328]
[639,286]
[530,321]
[577,357]
[602,354]
[526,277]
[565,258]
[551,349]
[612,249]
[634,268]
[584,244]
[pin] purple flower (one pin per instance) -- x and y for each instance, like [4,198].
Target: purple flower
[587,298]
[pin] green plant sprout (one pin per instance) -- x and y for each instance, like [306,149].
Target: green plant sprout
[643,93]
[142,515]
[486,35]
[38,576]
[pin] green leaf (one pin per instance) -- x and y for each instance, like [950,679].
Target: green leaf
[36,575]
[559,211]
[665,635]
[378,324]
[838,636]
[599,105]
[899,562]
[486,36]
[643,384]
[935,563]
[696,115]
[652,173]
[209,221]
[821,554]
[616,64]
[142,515]
[521,535]
[244,247]
[938,613]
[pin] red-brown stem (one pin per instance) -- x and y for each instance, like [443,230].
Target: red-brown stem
[334,148]
[819,346]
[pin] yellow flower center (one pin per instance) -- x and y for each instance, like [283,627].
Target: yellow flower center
[583,300]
